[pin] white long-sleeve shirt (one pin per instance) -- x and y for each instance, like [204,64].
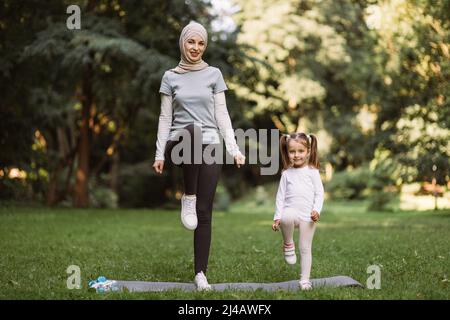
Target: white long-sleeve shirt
[222,119]
[300,189]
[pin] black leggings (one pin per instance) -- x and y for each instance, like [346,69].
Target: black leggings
[200,180]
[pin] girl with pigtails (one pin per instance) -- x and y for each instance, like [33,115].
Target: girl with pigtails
[299,199]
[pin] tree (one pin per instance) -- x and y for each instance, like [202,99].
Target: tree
[90,88]
[414,112]
[102,70]
[318,61]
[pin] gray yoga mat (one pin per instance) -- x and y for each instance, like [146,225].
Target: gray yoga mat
[143,286]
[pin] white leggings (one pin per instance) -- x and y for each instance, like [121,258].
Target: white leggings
[291,220]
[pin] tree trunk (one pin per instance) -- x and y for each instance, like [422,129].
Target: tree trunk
[52,193]
[115,172]
[81,197]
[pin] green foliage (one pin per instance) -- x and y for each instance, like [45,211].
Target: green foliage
[222,199]
[380,200]
[120,53]
[374,183]
[318,64]
[413,119]
[13,189]
[369,78]
[261,196]
[365,75]
[349,184]
[102,197]
[140,187]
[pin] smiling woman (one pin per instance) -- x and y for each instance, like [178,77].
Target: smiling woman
[194,47]
[193,107]
[193,43]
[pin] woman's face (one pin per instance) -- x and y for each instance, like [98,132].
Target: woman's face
[194,48]
[298,153]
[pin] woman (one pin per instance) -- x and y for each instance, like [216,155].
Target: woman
[191,94]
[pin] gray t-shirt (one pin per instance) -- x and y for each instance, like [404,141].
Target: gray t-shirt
[193,100]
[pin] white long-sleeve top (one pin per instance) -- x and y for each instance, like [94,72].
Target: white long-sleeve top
[222,119]
[300,189]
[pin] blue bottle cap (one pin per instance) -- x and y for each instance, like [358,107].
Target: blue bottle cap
[101,279]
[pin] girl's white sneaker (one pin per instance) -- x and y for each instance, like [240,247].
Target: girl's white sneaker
[189,212]
[201,282]
[305,285]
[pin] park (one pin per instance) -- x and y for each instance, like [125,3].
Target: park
[85,190]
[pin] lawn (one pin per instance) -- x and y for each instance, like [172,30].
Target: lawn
[38,244]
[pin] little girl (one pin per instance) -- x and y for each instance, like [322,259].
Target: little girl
[299,199]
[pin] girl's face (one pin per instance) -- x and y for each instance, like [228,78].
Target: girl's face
[298,153]
[194,47]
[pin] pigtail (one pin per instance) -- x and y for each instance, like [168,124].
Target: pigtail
[283,151]
[314,156]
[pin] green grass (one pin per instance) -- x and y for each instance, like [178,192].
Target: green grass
[38,244]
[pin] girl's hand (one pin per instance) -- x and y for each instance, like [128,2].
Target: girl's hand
[276,225]
[239,159]
[315,216]
[158,166]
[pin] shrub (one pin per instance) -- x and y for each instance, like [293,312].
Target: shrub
[383,183]
[349,184]
[222,199]
[103,197]
[140,186]
[379,200]
[261,196]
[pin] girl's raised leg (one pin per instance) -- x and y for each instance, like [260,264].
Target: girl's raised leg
[288,222]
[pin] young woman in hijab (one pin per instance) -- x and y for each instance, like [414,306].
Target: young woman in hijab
[192,93]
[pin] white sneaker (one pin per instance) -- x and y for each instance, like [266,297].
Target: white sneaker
[189,212]
[201,282]
[305,285]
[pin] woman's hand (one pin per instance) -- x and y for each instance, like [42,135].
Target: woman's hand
[315,216]
[158,166]
[239,159]
[276,225]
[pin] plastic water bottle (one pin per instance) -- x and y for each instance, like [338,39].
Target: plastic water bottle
[102,284]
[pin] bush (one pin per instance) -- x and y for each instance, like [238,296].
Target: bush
[12,189]
[383,182]
[379,200]
[140,186]
[362,183]
[349,184]
[222,199]
[261,196]
[102,197]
